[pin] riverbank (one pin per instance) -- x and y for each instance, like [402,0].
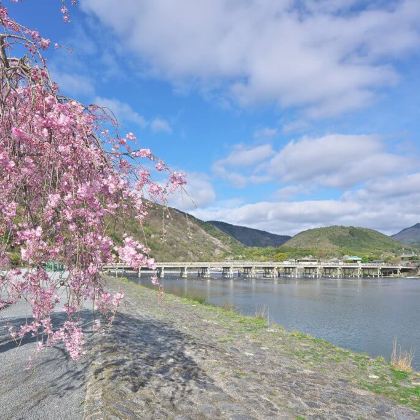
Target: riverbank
[168,357]
[362,315]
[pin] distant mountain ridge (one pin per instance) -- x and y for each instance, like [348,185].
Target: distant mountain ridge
[409,236]
[173,235]
[250,237]
[345,240]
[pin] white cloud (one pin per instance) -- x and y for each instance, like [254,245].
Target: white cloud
[405,188]
[121,110]
[336,160]
[198,193]
[294,126]
[73,84]
[266,132]
[289,191]
[291,217]
[125,113]
[242,157]
[160,125]
[331,161]
[328,57]
[283,217]
[247,156]
[374,186]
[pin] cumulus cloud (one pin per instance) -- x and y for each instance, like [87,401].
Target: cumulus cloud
[372,185]
[325,56]
[294,126]
[378,189]
[405,189]
[197,193]
[284,217]
[241,157]
[332,161]
[125,113]
[289,191]
[336,160]
[247,156]
[291,217]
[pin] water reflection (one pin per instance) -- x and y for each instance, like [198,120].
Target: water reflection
[360,314]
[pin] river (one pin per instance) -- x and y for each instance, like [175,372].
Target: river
[360,314]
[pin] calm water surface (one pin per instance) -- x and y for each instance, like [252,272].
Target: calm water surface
[359,314]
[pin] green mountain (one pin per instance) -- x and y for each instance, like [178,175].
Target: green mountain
[173,235]
[251,237]
[409,236]
[341,240]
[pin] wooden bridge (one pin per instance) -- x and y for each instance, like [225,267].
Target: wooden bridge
[249,269]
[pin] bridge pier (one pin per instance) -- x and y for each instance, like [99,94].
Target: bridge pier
[369,272]
[204,272]
[328,272]
[287,271]
[269,272]
[349,272]
[249,272]
[310,271]
[183,272]
[227,272]
[160,272]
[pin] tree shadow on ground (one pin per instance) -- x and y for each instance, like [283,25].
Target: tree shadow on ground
[34,381]
[58,318]
[148,353]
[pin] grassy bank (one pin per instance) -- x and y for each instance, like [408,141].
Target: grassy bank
[308,354]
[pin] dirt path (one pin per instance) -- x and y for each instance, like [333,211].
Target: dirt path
[177,359]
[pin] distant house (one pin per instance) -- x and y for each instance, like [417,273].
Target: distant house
[352,259]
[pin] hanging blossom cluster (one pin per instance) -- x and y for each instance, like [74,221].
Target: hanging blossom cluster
[65,175]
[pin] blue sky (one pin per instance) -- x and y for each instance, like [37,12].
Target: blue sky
[285,114]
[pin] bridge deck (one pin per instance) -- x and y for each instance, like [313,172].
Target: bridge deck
[258,264]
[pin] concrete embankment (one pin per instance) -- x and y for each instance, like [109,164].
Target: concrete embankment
[169,357]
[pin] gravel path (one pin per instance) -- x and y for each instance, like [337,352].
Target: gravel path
[177,360]
[50,387]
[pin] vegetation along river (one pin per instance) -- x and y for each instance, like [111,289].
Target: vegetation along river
[359,314]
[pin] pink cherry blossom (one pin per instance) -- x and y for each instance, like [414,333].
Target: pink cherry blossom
[64,174]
